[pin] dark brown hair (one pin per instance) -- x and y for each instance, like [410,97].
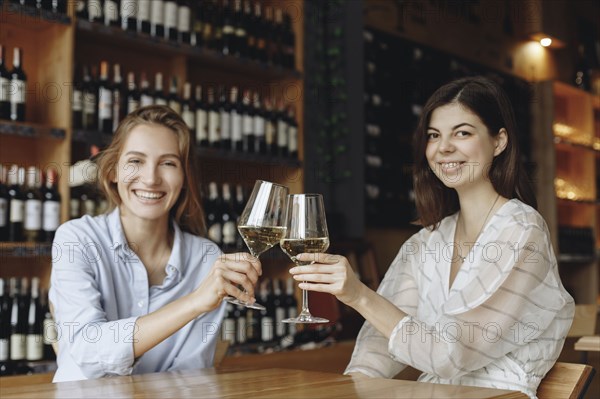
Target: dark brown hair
[187,211]
[490,103]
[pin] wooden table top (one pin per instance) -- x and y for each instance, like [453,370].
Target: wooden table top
[266,383]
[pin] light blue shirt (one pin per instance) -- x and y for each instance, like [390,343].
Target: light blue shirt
[99,287]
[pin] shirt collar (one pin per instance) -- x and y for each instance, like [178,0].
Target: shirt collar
[115,227]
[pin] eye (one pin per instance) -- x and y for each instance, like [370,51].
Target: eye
[432,135]
[134,161]
[170,163]
[463,133]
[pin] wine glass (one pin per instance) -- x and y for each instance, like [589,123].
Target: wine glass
[261,223]
[306,232]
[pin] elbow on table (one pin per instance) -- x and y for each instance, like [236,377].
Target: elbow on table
[87,356]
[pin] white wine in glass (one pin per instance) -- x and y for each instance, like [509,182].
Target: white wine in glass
[261,223]
[305,232]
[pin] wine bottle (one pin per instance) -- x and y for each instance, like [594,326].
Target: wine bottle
[197,25]
[157,15]
[240,324]
[214,120]
[159,95]
[90,101]
[50,334]
[51,206]
[18,83]
[16,203]
[206,10]
[77,100]
[133,95]
[249,24]
[216,42]
[5,316]
[19,316]
[201,119]
[270,128]
[129,15]
[289,43]
[260,33]
[583,71]
[240,36]
[111,13]
[277,39]
[253,325]
[228,220]
[268,26]
[81,10]
[247,123]
[267,320]
[235,121]
[143,16]
[292,133]
[224,120]
[184,21]
[228,327]
[4,88]
[104,100]
[213,214]
[146,97]
[282,130]
[228,31]
[119,102]
[279,309]
[171,32]
[4,198]
[87,200]
[188,110]
[32,224]
[238,206]
[174,100]
[34,349]
[95,11]
[291,305]
[260,146]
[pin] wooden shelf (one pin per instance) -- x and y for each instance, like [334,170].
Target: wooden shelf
[575,258]
[33,130]
[157,47]
[568,145]
[33,18]
[25,249]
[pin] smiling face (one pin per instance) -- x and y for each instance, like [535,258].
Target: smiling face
[149,173]
[460,148]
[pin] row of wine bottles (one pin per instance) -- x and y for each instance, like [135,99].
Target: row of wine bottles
[29,210]
[219,118]
[13,87]
[27,330]
[55,6]
[245,325]
[234,27]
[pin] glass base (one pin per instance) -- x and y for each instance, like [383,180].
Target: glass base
[305,319]
[236,301]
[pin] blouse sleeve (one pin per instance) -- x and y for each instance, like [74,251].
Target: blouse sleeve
[98,346]
[371,356]
[514,297]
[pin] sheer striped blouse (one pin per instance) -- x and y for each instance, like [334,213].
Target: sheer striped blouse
[502,323]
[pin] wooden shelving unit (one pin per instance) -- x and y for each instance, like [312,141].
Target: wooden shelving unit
[565,130]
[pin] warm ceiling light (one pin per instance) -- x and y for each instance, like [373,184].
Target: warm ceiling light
[546,41]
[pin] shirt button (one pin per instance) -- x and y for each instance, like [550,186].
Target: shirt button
[141,303]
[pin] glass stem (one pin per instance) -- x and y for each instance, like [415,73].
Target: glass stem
[305,311]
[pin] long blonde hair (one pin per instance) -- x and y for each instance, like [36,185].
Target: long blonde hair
[187,211]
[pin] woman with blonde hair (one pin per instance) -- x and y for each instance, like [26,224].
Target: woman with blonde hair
[139,289]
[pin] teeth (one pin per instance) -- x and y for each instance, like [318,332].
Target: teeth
[450,164]
[148,195]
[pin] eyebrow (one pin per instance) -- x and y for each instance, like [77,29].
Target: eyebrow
[453,127]
[141,154]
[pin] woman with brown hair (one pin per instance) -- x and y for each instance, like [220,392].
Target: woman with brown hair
[140,289]
[474,298]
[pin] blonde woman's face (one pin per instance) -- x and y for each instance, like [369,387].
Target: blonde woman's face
[150,172]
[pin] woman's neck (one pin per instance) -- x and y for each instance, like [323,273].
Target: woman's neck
[147,238]
[475,205]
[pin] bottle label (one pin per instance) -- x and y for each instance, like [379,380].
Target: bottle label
[94,9]
[282,133]
[143,11]
[89,104]
[228,330]
[215,233]
[279,324]
[146,100]
[51,215]
[34,347]
[229,232]
[213,126]
[225,125]
[184,18]
[266,329]
[247,125]
[293,139]
[171,15]
[201,125]
[157,14]
[241,330]
[160,101]
[128,9]
[236,127]
[188,118]
[292,313]
[3,213]
[175,106]
[259,126]
[50,332]
[17,346]
[17,208]
[4,89]
[270,133]
[105,103]
[111,11]
[17,93]
[33,215]
[132,105]
[228,30]
[4,345]
[89,207]
[77,104]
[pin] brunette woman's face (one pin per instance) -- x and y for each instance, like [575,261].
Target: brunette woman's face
[150,173]
[460,149]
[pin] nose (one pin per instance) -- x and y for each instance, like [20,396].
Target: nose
[445,144]
[149,174]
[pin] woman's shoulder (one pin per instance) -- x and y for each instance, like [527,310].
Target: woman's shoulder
[516,212]
[199,244]
[85,226]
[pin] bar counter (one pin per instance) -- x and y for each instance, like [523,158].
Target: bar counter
[265,383]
